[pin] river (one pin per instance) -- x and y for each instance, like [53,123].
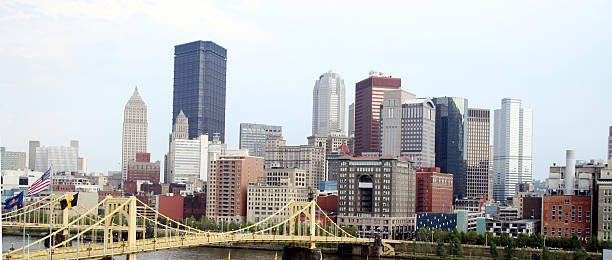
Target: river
[190,253]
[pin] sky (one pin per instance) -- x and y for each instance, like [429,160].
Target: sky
[69,67]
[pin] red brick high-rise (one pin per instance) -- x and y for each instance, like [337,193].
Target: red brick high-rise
[369,95]
[434,191]
[567,216]
[142,169]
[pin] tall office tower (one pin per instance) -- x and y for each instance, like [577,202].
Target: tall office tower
[199,87]
[477,170]
[32,154]
[408,129]
[451,140]
[253,137]
[512,157]
[351,120]
[180,128]
[134,131]
[188,162]
[610,146]
[58,158]
[491,152]
[369,94]
[12,160]
[377,195]
[75,144]
[328,104]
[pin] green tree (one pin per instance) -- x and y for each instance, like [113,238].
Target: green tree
[352,230]
[493,249]
[471,237]
[522,240]
[414,247]
[581,255]
[545,253]
[428,248]
[424,234]
[509,248]
[523,254]
[440,250]
[455,247]
[593,245]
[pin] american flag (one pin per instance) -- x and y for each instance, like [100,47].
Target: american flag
[41,184]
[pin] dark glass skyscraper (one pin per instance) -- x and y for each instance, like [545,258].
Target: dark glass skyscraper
[199,87]
[451,140]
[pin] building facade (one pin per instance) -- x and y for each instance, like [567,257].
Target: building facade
[253,137]
[199,87]
[143,169]
[408,129]
[232,175]
[135,127]
[328,105]
[351,120]
[451,140]
[369,95]
[477,168]
[334,142]
[566,216]
[513,148]
[434,191]
[12,160]
[188,162]
[32,145]
[603,199]
[377,195]
[306,157]
[58,158]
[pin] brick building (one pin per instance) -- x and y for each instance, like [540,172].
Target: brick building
[143,169]
[171,206]
[434,191]
[194,205]
[566,216]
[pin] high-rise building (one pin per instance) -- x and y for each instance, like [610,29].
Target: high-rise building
[134,131]
[12,160]
[199,87]
[369,95]
[408,129]
[82,164]
[610,146]
[253,137]
[451,140]
[188,162]
[232,175]
[306,157]
[351,120]
[328,104]
[491,151]
[58,158]
[477,170]
[377,195]
[32,154]
[332,143]
[512,157]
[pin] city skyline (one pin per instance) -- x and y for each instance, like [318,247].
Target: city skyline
[92,116]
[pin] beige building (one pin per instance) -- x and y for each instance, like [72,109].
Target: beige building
[478,148]
[264,200]
[331,143]
[134,131]
[306,157]
[604,204]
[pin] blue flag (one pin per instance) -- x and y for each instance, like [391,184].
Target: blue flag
[16,200]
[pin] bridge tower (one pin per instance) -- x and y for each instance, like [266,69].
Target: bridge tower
[126,208]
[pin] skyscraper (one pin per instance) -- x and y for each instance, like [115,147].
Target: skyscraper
[253,137]
[512,154]
[351,120]
[32,154]
[610,146]
[369,95]
[408,129]
[58,158]
[199,87]
[451,140]
[134,131]
[477,171]
[328,105]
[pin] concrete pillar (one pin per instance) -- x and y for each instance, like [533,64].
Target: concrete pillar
[132,227]
[313,222]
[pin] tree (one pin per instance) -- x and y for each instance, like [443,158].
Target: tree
[493,249]
[471,237]
[581,255]
[523,254]
[427,248]
[414,247]
[352,230]
[440,250]
[593,245]
[509,248]
[455,247]
[522,240]
[545,253]
[424,234]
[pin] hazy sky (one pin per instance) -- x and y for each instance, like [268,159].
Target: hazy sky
[69,67]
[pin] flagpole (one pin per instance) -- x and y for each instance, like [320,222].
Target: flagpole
[24,223]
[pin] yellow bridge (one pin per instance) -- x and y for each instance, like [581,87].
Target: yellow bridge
[149,230]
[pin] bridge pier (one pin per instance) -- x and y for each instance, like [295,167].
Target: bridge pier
[360,250]
[301,253]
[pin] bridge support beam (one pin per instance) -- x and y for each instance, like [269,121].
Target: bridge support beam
[132,227]
[301,253]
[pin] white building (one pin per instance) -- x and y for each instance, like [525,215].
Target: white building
[188,162]
[19,179]
[58,158]
[328,104]
[134,131]
[513,148]
[351,120]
